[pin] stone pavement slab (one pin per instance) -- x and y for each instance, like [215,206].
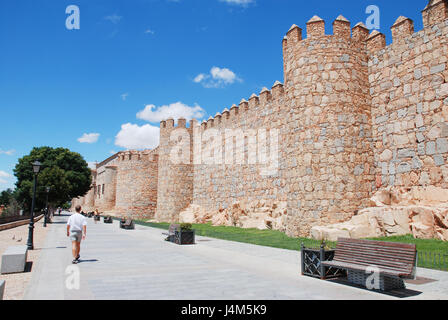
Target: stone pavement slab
[139,265]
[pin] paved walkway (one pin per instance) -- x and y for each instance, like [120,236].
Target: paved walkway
[138,264]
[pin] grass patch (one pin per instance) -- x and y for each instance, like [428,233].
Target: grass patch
[267,238]
[433,254]
[433,245]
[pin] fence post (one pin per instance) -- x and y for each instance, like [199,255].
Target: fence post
[322,259]
[302,253]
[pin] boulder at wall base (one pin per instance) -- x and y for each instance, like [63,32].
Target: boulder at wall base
[424,196]
[195,214]
[442,234]
[187,216]
[421,211]
[263,214]
[419,221]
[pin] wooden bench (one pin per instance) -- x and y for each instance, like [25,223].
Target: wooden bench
[393,262]
[127,224]
[171,232]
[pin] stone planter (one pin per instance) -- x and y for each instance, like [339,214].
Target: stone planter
[127,224]
[184,237]
[312,267]
[108,220]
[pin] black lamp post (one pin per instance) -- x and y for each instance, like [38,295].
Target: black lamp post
[36,169]
[46,208]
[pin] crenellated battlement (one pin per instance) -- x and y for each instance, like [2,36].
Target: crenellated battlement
[136,156]
[167,126]
[435,12]
[241,110]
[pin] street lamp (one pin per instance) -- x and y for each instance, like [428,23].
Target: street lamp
[46,208]
[36,169]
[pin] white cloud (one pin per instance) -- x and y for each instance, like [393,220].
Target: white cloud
[92,165]
[89,138]
[177,110]
[4,174]
[113,18]
[199,78]
[239,2]
[149,31]
[133,136]
[7,152]
[218,78]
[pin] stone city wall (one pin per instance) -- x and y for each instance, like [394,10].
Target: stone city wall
[136,189]
[353,117]
[409,90]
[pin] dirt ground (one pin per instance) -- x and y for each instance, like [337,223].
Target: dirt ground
[15,284]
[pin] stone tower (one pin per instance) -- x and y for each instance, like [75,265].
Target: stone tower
[327,94]
[137,176]
[175,182]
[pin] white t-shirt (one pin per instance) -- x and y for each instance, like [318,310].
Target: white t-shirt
[76,222]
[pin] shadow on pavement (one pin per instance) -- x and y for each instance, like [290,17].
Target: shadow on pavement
[92,260]
[397,293]
[28,267]
[49,248]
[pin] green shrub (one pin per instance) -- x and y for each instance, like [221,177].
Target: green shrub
[186,226]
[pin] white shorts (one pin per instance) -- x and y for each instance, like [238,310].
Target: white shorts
[76,236]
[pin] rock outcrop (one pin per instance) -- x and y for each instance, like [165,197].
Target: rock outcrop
[257,214]
[422,212]
[195,214]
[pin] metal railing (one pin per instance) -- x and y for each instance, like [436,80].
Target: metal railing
[432,260]
[4,220]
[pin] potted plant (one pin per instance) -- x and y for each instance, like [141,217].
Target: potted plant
[311,262]
[184,234]
[127,224]
[108,220]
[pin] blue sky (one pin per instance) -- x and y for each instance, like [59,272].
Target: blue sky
[105,87]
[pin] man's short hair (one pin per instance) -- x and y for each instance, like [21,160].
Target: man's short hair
[78,208]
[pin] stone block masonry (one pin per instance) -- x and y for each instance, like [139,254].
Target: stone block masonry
[124,185]
[353,116]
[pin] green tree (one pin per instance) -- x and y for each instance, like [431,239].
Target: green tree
[64,171]
[6,197]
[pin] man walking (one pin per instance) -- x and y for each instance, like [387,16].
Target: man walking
[76,230]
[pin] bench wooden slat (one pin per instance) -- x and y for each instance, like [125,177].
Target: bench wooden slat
[379,262]
[345,265]
[376,248]
[378,251]
[374,253]
[362,267]
[377,243]
[362,245]
[395,259]
[374,256]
